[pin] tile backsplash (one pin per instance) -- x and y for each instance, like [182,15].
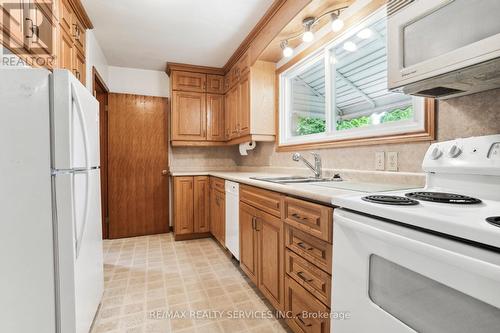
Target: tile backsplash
[466,116]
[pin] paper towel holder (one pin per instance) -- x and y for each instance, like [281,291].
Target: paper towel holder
[246,146]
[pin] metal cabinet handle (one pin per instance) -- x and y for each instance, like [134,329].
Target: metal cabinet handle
[76,35]
[253,222]
[257,224]
[303,245]
[303,277]
[34,29]
[299,318]
[297,216]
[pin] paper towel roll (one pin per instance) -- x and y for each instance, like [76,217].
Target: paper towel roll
[245,147]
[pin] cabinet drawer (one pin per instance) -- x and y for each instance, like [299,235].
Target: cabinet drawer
[312,218]
[299,302]
[311,248]
[218,184]
[188,81]
[309,276]
[269,202]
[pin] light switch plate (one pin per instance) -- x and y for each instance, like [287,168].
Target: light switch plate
[392,161]
[380,160]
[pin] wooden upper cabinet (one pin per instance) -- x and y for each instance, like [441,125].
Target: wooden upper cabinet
[232,106]
[215,117]
[189,81]
[244,64]
[12,23]
[78,31]
[65,57]
[42,17]
[79,66]
[201,204]
[188,116]
[66,17]
[183,205]
[243,113]
[215,84]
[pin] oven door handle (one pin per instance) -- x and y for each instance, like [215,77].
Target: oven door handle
[471,264]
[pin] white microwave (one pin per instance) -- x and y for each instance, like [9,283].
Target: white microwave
[443,48]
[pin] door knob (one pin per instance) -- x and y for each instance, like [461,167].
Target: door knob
[164,172]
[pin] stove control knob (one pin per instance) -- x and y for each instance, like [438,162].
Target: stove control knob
[436,153]
[454,151]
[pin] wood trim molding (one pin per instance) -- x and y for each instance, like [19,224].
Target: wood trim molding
[428,134]
[81,13]
[97,78]
[232,142]
[245,44]
[173,66]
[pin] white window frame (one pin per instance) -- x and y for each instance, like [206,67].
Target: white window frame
[418,124]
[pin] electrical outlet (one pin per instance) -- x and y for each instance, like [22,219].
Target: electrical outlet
[392,161]
[380,160]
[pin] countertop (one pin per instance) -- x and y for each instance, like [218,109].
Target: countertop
[307,191]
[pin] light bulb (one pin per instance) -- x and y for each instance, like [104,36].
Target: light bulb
[350,46]
[308,36]
[287,52]
[337,23]
[365,33]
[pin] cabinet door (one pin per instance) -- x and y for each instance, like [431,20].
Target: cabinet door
[271,258]
[215,84]
[42,24]
[66,16]
[65,58]
[188,81]
[215,117]
[243,113]
[218,215]
[79,34]
[201,204]
[248,241]
[232,112]
[79,64]
[189,116]
[183,205]
[12,22]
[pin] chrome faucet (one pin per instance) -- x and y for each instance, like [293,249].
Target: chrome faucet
[317,163]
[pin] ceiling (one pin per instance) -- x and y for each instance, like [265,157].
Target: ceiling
[147,34]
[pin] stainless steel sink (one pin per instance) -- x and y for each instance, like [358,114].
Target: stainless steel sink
[296,179]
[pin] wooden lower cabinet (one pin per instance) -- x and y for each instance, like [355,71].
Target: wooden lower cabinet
[270,267]
[217,213]
[248,241]
[308,315]
[262,252]
[201,204]
[191,207]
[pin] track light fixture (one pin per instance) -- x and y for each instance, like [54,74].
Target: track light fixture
[307,34]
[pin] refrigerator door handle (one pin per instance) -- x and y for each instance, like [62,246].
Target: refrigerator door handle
[83,125]
[79,233]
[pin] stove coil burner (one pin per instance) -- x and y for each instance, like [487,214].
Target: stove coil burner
[390,200]
[441,197]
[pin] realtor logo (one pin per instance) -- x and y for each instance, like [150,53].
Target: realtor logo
[28,30]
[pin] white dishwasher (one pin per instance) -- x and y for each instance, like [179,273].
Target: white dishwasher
[232,218]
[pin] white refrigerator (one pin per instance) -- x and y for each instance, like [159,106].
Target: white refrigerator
[51,277]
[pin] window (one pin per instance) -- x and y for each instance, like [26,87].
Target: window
[340,92]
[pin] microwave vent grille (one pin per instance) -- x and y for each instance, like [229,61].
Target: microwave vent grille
[395,5]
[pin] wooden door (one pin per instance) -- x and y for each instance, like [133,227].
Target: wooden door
[248,241]
[188,81]
[201,199]
[189,117]
[183,213]
[215,117]
[12,22]
[138,179]
[271,258]
[243,114]
[215,84]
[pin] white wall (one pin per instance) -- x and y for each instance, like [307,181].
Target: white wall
[138,81]
[95,58]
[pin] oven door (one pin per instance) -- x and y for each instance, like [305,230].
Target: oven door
[428,38]
[390,278]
